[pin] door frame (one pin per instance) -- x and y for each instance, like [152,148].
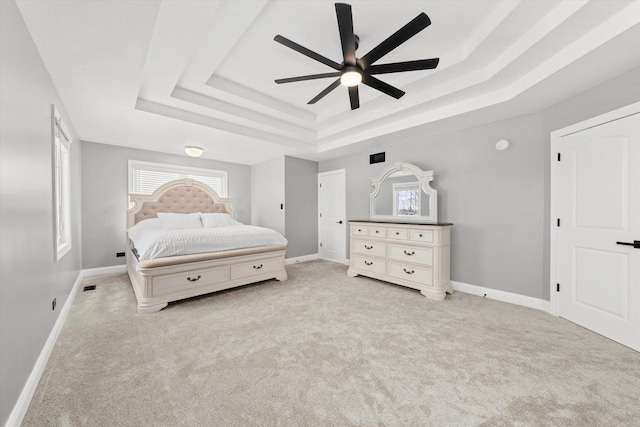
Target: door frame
[556,137]
[343,172]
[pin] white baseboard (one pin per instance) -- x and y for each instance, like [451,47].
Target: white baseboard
[345,261]
[298,259]
[114,269]
[509,297]
[29,389]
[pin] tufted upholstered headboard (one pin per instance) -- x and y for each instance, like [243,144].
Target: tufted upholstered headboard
[179,196]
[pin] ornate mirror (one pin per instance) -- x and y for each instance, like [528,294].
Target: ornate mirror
[402,193]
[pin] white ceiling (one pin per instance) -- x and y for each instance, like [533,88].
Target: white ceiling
[161,75]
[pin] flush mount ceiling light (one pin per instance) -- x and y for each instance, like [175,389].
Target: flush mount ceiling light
[193,151]
[353,71]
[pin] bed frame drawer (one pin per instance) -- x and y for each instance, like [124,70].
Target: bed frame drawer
[174,282]
[255,268]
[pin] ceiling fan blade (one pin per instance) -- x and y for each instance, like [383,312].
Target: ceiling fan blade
[354,98]
[382,86]
[347,38]
[418,24]
[311,54]
[322,94]
[396,67]
[309,77]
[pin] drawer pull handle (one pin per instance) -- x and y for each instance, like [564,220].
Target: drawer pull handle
[359,229]
[397,233]
[420,235]
[409,272]
[257,267]
[194,280]
[369,262]
[377,231]
[368,247]
[409,253]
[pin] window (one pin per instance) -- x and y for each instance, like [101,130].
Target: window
[146,177]
[406,199]
[61,184]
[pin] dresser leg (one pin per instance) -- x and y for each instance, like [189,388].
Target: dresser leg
[146,309]
[434,295]
[351,273]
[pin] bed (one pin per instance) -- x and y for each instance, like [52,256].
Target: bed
[160,280]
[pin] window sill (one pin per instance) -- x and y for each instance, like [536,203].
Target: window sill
[62,250]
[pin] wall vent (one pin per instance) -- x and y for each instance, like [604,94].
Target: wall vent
[376,158]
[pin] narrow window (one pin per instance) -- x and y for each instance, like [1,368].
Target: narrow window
[61,147]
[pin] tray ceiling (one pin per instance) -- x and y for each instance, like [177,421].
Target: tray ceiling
[164,75]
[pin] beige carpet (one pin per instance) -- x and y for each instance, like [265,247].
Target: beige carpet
[323,349]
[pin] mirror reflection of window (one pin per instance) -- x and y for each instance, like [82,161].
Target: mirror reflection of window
[406,199]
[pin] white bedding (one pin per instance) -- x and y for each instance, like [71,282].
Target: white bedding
[154,243]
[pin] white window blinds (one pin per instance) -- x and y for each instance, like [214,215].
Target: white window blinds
[146,177]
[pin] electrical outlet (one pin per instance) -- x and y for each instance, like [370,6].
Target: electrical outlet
[119,254]
[53,304]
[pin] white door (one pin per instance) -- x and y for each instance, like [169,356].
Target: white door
[598,206]
[331,211]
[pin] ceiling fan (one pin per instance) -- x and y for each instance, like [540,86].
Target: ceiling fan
[353,71]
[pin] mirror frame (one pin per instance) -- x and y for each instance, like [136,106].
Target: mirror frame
[423,177]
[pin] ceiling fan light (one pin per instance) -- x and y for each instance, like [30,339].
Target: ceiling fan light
[193,151]
[351,78]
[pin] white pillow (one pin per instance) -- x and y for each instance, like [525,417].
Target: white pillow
[217,220]
[147,224]
[175,220]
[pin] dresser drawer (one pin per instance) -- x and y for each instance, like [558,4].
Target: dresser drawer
[425,236]
[406,253]
[256,267]
[397,233]
[175,282]
[421,275]
[374,265]
[370,248]
[359,230]
[377,231]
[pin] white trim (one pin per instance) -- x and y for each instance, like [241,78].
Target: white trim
[556,135]
[503,296]
[304,258]
[101,271]
[345,261]
[22,405]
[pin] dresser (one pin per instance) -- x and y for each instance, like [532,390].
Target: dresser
[413,255]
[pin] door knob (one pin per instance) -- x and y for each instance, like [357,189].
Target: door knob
[338,222]
[635,244]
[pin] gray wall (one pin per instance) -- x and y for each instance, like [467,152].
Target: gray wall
[105,189]
[498,201]
[267,193]
[301,206]
[29,277]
